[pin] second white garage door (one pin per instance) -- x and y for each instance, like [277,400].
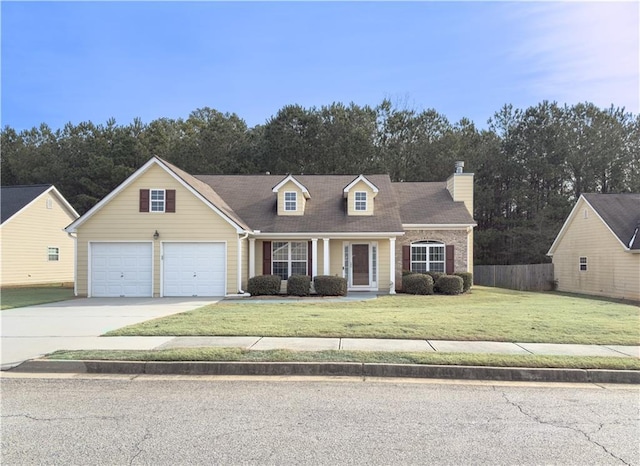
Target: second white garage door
[193,269]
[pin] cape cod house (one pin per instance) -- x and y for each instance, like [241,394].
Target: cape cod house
[164,232]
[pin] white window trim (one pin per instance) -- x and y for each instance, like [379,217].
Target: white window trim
[584,263]
[289,260]
[294,201]
[428,262]
[56,254]
[164,200]
[356,201]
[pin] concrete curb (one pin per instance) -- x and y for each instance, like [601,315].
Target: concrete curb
[352,369]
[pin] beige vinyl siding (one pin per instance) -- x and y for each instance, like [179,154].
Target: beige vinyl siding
[611,271]
[460,186]
[290,186]
[360,186]
[120,220]
[24,241]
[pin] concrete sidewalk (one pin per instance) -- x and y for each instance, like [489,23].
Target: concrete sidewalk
[370,344]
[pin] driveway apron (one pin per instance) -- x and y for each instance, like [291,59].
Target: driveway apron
[33,331]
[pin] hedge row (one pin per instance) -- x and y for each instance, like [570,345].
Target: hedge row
[297,285]
[436,282]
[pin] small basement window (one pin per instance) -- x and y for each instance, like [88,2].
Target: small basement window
[583,264]
[53,254]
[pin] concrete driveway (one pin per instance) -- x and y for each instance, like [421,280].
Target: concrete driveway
[33,331]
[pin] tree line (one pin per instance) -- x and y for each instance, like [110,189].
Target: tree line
[530,164]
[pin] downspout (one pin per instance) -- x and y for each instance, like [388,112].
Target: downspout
[240,240]
[75,263]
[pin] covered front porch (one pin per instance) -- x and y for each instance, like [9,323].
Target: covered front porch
[367,262]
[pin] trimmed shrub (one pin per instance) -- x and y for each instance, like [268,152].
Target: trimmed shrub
[467,280]
[264,285]
[435,276]
[449,284]
[408,272]
[299,285]
[329,285]
[417,284]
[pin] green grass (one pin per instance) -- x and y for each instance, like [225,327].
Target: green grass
[28,296]
[462,359]
[483,314]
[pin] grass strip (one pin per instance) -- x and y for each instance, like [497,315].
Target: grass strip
[28,296]
[458,359]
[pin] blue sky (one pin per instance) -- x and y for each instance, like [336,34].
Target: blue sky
[78,61]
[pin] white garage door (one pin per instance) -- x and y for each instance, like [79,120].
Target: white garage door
[121,269]
[193,269]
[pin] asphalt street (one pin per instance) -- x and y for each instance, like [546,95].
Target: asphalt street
[162,420]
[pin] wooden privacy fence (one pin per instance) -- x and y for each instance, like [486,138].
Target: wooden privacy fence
[530,277]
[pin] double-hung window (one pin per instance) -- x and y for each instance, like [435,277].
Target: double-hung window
[289,258]
[361,201]
[157,200]
[427,256]
[290,201]
[583,264]
[53,254]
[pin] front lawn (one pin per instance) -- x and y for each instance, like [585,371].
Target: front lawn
[28,296]
[488,314]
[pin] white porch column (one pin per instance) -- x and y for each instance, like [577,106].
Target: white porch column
[314,257]
[325,253]
[252,257]
[392,265]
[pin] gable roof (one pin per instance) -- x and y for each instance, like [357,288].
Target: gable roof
[620,213]
[251,197]
[291,178]
[430,204]
[373,187]
[16,198]
[203,192]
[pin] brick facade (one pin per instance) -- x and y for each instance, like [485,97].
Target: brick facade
[458,238]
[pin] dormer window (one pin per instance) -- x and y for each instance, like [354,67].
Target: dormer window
[361,201]
[290,201]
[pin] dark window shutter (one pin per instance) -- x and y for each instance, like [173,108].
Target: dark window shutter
[266,258]
[309,259]
[144,200]
[170,201]
[406,257]
[450,265]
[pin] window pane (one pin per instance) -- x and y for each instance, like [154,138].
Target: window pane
[298,268]
[281,269]
[299,251]
[418,253]
[280,251]
[419,267]
[157,200]
[437,267]
[436,253]
[361,200]
[290,201]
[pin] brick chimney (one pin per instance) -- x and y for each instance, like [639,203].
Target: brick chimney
[460,186]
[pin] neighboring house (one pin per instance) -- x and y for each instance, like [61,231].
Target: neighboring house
[597,251]
[164,232]
[35,248]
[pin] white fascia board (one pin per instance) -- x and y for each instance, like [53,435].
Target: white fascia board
[331,235]
[135,175]
[291,178]
[51,189]
[570,218]
[436,226]
[373,187]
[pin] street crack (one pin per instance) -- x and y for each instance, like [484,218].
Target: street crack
[560,426]
[147,436]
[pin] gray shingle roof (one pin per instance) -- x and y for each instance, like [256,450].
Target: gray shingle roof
[252,199]
[430,203]
[14,198]
[621,212]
